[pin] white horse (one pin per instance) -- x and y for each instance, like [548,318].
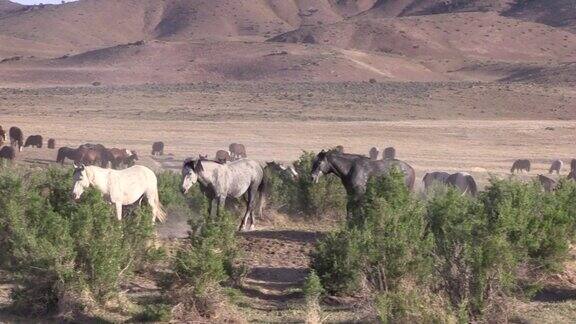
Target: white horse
[120,187]
[234,179]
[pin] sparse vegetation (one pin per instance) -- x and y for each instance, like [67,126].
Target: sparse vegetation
[467,250]
[67,256]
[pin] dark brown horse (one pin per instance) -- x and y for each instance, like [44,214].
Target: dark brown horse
[374,152]
[237,151]
[69,153]
[120,157]
[3,138]
[51,143]
[158,148]
[389,153]
[93,154]
[222,156]
[16,137]
[520,165]
[34,141]
[7,153]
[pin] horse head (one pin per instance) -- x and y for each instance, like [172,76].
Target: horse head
[189,175]
[81,181]
[320,165]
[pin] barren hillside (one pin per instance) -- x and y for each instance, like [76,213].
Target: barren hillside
[173,41]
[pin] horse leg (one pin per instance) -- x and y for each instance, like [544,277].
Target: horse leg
[221,204]
[119,211]
[248,220]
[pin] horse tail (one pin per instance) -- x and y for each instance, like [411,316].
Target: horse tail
[262,194]
[157,208]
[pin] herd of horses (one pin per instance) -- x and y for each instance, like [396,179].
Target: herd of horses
[232,174]
[17,143]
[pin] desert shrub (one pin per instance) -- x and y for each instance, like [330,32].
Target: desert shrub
[474,264]
[282,191]
[538,225]
[313,290]
[395,230]
[412,305]
[338,260]
[314,199]
[154,313]
[171,197]
[59,248]
[209,257]
[383,243]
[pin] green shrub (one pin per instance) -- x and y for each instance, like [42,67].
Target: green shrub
[339,259]
[155,313]
[58,247]
[474,264]
[209,257]
[397,245]
[412,306]
[538,225]
[384,242]
[315,199]
[282,191]
[178,205]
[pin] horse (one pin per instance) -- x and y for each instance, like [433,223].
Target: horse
[237,151]
[234,179]
[374,152]
[2,136]
[573,165]
[434,177]
[339,149]
[51,143]
[520,165]
[389,153]
[68,153]
[549,184]
[355,171]
[157,148]
[121,187]
[556,166]
[122,156]
[16,137]
[35,141]
[463,182]
[7,153]
[222,156]
[95,154]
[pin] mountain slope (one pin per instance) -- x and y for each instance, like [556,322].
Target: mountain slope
[477,36]
[183,62]
[90,24]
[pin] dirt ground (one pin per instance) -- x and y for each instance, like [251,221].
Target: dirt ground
[433,127]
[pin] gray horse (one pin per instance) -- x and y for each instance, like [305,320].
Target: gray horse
[219,181]
[463,182]
[355,170]
[237,151]
[549,184]
[374,153]
[556,166]
[520,165]
[432,178]
[389,153]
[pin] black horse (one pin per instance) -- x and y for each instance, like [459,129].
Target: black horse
[355,171]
